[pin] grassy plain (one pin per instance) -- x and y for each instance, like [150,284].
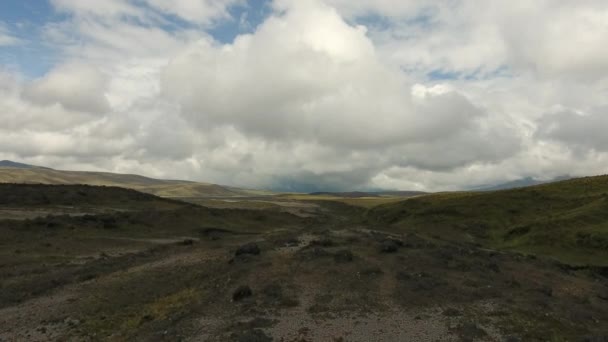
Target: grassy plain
[108,264]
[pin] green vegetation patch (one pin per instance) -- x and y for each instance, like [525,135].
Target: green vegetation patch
[567,220]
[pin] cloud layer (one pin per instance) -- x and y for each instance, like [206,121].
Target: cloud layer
[320,95]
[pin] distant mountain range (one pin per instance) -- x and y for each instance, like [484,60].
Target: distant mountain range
[12,172]
[519,183]
[8,163]
[565,220]
[359,194]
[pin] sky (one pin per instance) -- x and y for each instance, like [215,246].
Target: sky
[308,95]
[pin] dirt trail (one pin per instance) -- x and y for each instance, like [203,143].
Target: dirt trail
[45,319]
[298,325]
[158,241]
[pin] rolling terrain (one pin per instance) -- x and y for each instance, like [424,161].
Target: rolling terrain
[519,183]
[566,220]
[89,263]
[206,194]
[11,172]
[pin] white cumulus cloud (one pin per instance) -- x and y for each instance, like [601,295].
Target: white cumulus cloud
[322,94]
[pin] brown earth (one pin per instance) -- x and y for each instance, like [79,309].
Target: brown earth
[169,272]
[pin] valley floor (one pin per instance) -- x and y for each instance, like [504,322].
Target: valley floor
[180,272]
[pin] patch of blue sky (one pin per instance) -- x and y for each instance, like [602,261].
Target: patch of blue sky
[25,20]
[504,71]
[441,75]
[242,19]
[374,22]
[32,12]
[423,19]
[33,56]
[245,19]
[31,59]
[476,75]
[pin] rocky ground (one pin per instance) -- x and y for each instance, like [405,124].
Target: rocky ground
[195,274]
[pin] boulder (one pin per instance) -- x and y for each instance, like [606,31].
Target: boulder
[344,255]
[241,293]
[250,248]
[389,246]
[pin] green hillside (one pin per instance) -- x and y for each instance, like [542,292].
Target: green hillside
[566,220]
[78,196]
[158,187]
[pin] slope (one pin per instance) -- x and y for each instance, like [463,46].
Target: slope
[74,196]
[519,183]
[158,187]
[8,163]
[565,220]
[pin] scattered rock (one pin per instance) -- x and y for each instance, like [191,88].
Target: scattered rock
[257,322]
[458,265]
[275,295]
[250,248]
[401,275]
[512,283]
[186,242]
[147,318]
[423,281]
[325,242]
[87,276]
[313,253]
[273,290]
[546,290]
[390,246]
[451,312]
[344,255]
[372,271]
[492,266]
[471,332]
[291,242]
[241,293]
[109,222]
[71,322]
[595,338]
[255,335]
[215,233]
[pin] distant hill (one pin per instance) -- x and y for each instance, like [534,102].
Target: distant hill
[32,195]
[518,183]
[11,172]
[566,220]
[352,194]
[8,163]
[359,194]
[399,193]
